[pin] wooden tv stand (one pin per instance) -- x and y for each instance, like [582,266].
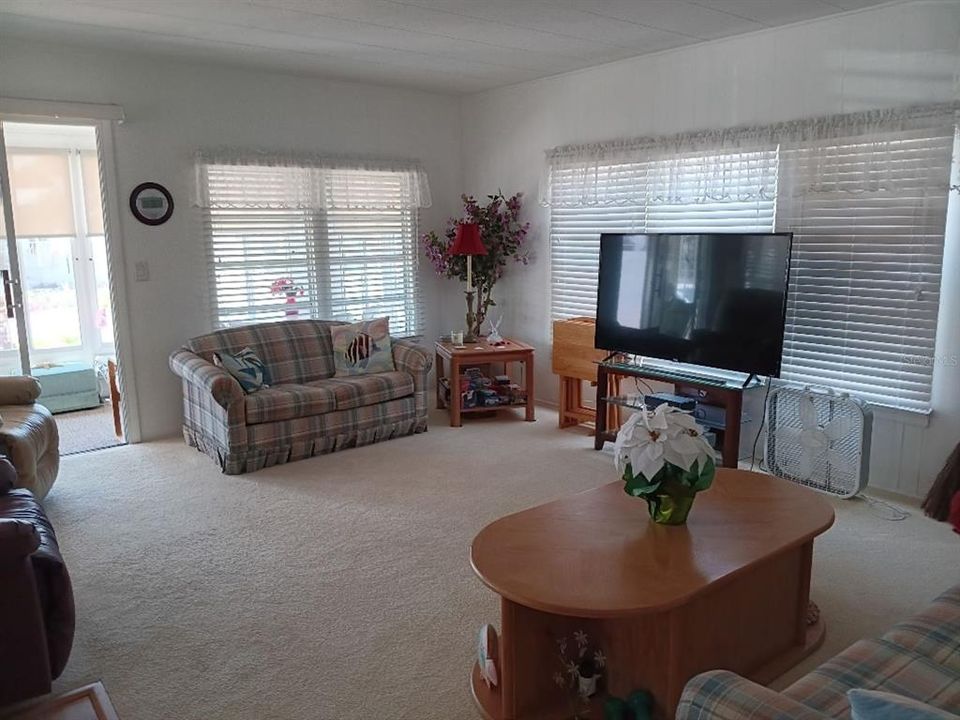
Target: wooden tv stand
[709,391]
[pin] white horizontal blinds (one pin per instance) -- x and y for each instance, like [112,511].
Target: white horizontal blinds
[868,216]
[252,253]
[289,242]
[255,244]
[575,232]
[372,254]
[729,191]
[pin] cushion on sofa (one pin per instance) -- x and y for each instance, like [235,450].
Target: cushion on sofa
[286,402]
[933,633]
[362,390]
[362,348]
[876,665]
[246,367]
[295,351]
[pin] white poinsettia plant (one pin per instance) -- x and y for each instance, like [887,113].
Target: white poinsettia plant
[663,449]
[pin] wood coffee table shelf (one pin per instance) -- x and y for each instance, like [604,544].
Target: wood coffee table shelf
[728,590]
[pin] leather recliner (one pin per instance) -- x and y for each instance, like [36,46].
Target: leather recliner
[37,615]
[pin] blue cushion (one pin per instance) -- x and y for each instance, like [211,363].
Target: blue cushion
[876,705]
[246,367]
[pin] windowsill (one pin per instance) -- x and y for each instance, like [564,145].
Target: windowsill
[915,418]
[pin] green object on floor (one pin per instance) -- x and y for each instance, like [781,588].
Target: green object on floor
[66,387]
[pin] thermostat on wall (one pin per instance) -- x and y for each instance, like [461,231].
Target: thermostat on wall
[151,203]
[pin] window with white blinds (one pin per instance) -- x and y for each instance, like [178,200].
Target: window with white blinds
[868,217]
[868,213]
[668,195]
[351,254]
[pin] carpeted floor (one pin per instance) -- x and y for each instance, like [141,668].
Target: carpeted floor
[340,587]
[85,430]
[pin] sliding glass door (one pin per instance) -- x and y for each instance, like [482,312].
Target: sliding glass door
[62,287]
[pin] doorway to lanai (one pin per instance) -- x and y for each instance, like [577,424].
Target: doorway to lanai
[58,325]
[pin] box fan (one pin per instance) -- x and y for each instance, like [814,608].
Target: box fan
[819,439]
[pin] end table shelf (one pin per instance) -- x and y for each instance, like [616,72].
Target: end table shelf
[451,361]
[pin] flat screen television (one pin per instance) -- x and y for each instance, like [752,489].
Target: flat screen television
[717,300]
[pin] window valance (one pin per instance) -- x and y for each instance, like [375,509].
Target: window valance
[730,164]
[249,179]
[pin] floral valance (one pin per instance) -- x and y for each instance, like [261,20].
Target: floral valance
[249,179]
[723,165]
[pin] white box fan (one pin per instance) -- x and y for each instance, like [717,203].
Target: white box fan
[819,439]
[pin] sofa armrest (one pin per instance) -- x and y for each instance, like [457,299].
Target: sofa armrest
[723,695]
[8,476]
[410,357]
[218,382]
[19,390]
[18,539]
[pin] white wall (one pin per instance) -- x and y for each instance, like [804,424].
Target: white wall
[172,109]
[879,58]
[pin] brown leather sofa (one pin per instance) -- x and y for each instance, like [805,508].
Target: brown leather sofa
[36,599]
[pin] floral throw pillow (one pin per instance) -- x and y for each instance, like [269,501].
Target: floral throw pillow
[362,348]
[246,367]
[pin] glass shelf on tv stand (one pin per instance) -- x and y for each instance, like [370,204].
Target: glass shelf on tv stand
[637,401]
[678,375]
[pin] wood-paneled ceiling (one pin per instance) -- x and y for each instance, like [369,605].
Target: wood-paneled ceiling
[457,46]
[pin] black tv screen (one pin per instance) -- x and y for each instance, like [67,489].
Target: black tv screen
[717,300]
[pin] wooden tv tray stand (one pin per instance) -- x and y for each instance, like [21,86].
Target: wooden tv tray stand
[711,392]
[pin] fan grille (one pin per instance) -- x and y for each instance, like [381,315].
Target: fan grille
[831,453]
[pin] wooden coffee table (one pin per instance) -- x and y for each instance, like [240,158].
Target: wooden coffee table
[728,590]
[482,353]
[89,702]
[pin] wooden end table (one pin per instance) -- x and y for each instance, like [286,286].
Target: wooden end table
[455,359]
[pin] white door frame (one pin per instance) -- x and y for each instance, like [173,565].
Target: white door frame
[102,118]
[13,255]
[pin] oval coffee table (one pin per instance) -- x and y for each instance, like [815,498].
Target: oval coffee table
[730,589]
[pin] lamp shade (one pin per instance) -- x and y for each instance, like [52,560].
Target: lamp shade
[467,240]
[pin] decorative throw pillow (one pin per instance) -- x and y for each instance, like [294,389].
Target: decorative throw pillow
[362,348]
[246,367]
[876,705]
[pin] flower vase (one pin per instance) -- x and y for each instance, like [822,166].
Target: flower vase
[671,503]
[292,300]
[587,686]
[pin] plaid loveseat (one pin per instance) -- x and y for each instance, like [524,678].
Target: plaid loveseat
[919,658]
[305,411]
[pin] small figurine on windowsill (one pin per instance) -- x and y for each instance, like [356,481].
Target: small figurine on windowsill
[494,337]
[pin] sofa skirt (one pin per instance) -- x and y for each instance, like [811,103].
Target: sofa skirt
[282,442]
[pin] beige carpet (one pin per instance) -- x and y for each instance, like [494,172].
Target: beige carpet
[85,430]
[340,587]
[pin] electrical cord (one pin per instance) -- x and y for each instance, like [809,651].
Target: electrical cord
[763,422]
[884,510]
[638,382]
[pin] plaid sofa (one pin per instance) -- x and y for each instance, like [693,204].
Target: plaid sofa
[919,658]
[306,411]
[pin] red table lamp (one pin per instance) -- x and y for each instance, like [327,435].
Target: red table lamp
[467,242]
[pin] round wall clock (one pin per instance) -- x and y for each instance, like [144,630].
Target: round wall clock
[151,203]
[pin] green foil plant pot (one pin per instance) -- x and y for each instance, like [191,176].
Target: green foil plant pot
[670,505]
[671,492]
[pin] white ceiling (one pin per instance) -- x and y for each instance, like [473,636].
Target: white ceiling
[444,45]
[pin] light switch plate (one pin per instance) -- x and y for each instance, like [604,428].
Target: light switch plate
[141,271]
